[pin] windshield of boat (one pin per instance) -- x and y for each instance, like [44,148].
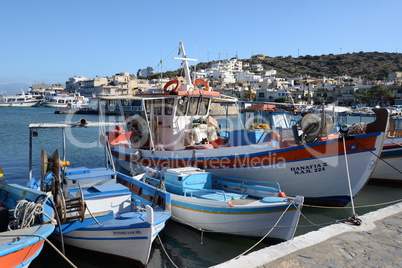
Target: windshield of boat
[193,106]
[280,120]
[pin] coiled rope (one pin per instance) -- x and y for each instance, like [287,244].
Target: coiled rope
[25,214]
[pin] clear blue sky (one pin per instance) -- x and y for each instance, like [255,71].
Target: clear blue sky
[49,41]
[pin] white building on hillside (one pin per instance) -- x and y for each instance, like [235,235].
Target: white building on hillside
[75,83]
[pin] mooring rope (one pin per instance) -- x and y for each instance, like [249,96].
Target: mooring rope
[262,239]
[379,157]
[166,253]
[362,206]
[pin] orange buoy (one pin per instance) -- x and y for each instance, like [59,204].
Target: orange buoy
[172,82]
[201,81]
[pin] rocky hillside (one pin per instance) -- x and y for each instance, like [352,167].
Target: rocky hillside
[367,65]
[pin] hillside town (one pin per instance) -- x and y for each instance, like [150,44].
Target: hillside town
[235,78]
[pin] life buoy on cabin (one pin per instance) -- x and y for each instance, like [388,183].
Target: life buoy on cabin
[274,136]
[201,81]
[172,82]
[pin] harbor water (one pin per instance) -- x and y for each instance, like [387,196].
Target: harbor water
[183,246]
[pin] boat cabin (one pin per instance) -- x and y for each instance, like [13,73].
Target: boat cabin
[169,122]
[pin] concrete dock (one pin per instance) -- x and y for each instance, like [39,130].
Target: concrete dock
[377,242]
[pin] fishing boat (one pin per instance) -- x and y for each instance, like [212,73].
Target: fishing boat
[18,100]
[25,222]
[228,205]
[389,166]
[96,212]
[175,129]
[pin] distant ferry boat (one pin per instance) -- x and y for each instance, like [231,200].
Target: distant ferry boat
[64,100]
[18,100]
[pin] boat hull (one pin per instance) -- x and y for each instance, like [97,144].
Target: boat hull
[389,166]
[20,253]
[132,244]
[54,105]
[20,104]
[255,219]
[317,170]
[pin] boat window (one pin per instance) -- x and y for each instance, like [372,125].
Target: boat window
[280,121]
[182,106]
[204,103]
[158,107]
[193,105]
[169,106]
[398,124]
[136,103]
[148,106]
[125,102]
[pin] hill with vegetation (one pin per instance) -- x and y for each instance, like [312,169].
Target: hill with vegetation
[366,65]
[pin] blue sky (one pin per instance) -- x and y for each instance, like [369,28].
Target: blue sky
[49,41]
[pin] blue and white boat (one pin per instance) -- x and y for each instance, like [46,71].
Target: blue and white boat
[25,222]
[96,212]
[227,205]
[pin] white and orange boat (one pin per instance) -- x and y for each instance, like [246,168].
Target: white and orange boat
[175,129]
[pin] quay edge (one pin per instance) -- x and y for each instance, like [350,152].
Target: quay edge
[310,242]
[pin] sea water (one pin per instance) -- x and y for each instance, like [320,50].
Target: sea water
[186,247]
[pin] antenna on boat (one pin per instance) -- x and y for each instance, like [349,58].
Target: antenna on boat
[184,59]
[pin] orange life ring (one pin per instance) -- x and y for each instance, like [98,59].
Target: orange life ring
[201,81]
[168,84]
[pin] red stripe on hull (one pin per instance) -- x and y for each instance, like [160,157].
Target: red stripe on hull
[266,158]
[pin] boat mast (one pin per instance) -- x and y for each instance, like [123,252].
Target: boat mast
[189,86]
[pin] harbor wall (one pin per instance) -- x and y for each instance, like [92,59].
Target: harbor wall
[316,246]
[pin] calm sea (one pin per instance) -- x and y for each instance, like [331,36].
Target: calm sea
[185,246]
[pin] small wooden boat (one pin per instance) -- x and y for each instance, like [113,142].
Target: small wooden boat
[96,212]
[227,205]
[25,222]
